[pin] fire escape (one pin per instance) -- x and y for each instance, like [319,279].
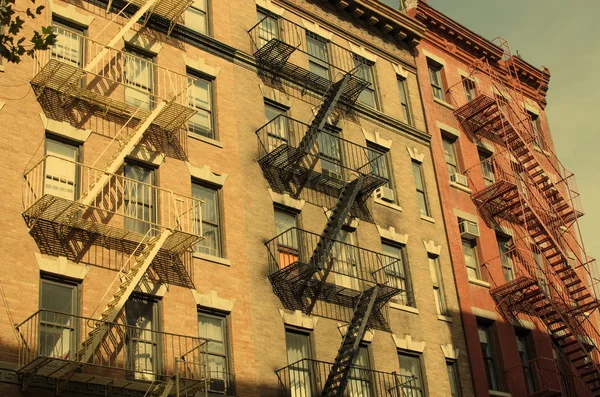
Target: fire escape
[303,265]
[531,192]
[79,204]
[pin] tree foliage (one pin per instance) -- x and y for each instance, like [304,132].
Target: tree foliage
[13,43]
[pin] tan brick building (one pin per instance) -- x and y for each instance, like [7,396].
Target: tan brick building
[167,186]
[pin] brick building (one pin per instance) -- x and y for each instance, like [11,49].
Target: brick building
[225,197]
[525,284]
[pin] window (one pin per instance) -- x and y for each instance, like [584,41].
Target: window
[359,378]
[298,357]
[60,171]
[489,357]
[413,382]
[139,198]
[142,339]
[438,285]
[267,30]
[469,86]
[397,271]
[331,155]
[471,260]
[540,268]
[318,59]
[380,163]
[525,349]
[504,247]
[404,101]
[201,99]
[58,327]
[211,220]
[487,168]
[420,185]
[450,154]
[364,70]
[537,130]
[453,378]
[196,17]
[214,326]
[69,45]
[277,130]
[139,79]
[287,240]
[346,260]
[435,77]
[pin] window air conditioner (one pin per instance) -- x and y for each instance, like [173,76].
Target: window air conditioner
[459,179]
[385,193]
[469,230]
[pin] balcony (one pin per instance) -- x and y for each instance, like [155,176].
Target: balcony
[125,210]
[130,357]
[326,168]
[353,270]
[306,378]
[285,49]
[541,378]
[116,81]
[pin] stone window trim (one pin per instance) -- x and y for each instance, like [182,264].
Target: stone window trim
[139,41]
[391,235]
[376,139]
[317,29]
[532,109]
[468,76]
[61,266]
[369,334]
[199,65]
[415,154]
[434,58]
[64,129]
[362,52]
[455,133]
[269,6]
[286,201]
[275,97]
[484,314]
[298,320]
[212,301]
[466,216]
[71,14]
[450,352]
[400,71]
[432,248]
[407,344]
[144,155]
[205,174]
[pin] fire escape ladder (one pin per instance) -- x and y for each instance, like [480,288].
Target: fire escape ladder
[126,146]
[318,260]
[128,285]
[338,376]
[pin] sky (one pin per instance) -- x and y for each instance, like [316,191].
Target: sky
[564,36]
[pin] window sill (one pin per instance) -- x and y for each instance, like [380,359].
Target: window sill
[460,187]
[212,258]
[404,308]
[499,393]
[427,218]
[204,139]
[444,318]
[443,103]
[387,204]
[480,283]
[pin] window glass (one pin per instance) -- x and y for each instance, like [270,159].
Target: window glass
[318,59]
[200,98]
[504,246]
[420,185]
[359,378]
[471,261]
[453,378]
[438,286]
[489,358]
[469,86]
[211,220]
[298,348]
[396,268]
[267,30]
[406,115]
[487,168]
[525,349]
[69,43]
[196,18]
[139,80]
[412,376]
[58,336]
[139,198]
[142,339]
[331,155]
[379,161]
[450,155]
[435,78]
[277,129]
[364,70]
[60,173]
[214,327]
[284,221]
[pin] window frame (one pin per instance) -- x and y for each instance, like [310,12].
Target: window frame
[470,88]
[422,391]
[306,371]
[210,80]
[155,210]
[78,151]
[473,247]
[454,377]
[508,266]
[77,29]
[279,134]
[526,356]
[314,58]
[154,331]
[261,15]
[220,237]
[150,91]
[536,125]
[418,166]
[385,157]
[227,348]
[438,290]
[405,100]
[408,297]
[206,13]
[450,152]
[485,157]
[490,359]
[363,68]
[435,69]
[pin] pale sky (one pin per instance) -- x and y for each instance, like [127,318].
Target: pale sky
[564,36]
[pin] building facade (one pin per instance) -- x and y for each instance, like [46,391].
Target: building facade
[225,197]
[527,289]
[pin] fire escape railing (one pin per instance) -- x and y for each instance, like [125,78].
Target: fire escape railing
[306,378]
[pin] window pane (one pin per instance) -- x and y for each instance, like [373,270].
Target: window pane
[211,244]
[139,198]
[213,328]
[450,155]
[60,176]
[404,101]
[455,390]
[418,176]
[195,19]
[298,346]
[58,297]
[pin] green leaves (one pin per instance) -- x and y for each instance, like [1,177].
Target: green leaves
[13,41]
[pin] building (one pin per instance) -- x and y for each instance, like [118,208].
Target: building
[526,286]
[224,197]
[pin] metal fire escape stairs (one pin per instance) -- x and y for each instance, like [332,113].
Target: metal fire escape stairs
[545,215]
[313,276]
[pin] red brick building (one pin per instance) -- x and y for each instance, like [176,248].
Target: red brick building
[524,281]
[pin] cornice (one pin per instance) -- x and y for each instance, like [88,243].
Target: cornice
[391,23]
[538,79]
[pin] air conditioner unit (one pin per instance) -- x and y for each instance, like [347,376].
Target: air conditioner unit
[469,230]
[459,178]
[385,193]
